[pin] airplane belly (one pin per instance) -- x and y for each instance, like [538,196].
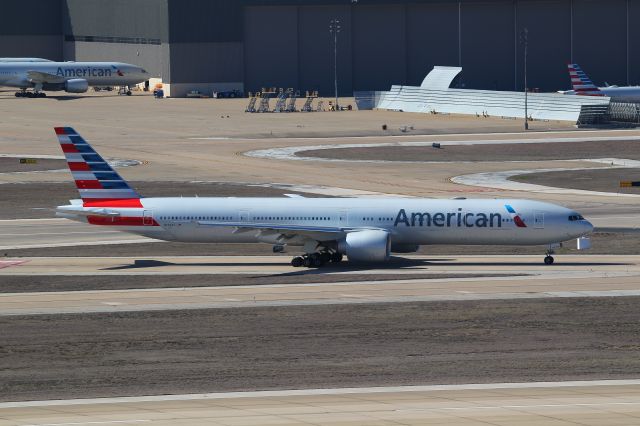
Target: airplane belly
[193,233]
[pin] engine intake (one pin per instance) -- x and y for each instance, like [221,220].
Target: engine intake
[366,246]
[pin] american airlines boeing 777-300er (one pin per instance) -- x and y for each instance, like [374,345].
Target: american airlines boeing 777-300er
[73,77]
[363,229]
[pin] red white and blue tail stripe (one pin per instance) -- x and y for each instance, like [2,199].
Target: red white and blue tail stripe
[581,83]
[99,185]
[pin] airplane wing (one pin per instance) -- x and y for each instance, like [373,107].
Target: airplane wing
[319,233]
[43,77]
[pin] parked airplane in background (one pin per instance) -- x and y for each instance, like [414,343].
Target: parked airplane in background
[582,85]
[327,228]
[72,77]
[24,60]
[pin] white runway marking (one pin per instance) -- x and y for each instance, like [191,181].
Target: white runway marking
[500,180]
[313,392]
[291,152]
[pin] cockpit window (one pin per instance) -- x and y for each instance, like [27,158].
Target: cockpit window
[575,217]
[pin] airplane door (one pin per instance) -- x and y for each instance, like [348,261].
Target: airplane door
[538,220]
[343,218]
[243,216]
[147,218]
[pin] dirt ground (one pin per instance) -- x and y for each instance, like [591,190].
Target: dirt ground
[605,180]
[498,152]
[146,353]
[20,199]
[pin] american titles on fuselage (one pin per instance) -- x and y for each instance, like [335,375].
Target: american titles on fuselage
[84,72]
[441,219]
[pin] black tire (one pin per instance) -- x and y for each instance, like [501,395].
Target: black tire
[297,262]
[336,257]
[306,262]
[325,256]
[548,260]
[128,92]
[232,95]
[316,261]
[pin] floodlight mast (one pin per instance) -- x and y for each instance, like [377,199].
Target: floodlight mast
[524,38]
[334,28]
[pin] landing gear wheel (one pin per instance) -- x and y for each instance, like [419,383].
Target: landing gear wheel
[30,95]
[336,257]
[548,260]
[325,256]
[297,262]
[306,262]
[42,95]
[128,92]
[316,260]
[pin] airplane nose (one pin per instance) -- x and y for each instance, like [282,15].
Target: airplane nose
[588,226]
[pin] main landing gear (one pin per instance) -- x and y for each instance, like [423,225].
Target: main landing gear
[25,94]
[316,260]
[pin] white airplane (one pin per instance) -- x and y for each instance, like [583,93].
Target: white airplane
[327,228]
[72,77]
[582,85]
[24,60]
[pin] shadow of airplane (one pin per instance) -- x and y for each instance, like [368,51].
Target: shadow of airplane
[393,263]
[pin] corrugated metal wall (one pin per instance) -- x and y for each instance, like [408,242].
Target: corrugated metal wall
[287,42]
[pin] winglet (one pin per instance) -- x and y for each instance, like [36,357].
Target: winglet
[99,185]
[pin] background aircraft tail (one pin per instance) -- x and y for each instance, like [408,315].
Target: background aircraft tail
[581,83]
[99,185]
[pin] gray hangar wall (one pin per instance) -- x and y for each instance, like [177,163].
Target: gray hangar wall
[133,31]
[288,44]
[31,28]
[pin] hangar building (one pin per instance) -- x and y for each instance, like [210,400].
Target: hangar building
[249,44]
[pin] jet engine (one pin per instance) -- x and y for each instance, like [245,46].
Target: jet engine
[76,85]
[366,246]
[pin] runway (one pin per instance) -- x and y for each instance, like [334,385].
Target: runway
[597,403]
[491,278]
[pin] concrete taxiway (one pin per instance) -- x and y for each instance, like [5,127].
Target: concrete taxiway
[29,233]
[597,403]
[491,278]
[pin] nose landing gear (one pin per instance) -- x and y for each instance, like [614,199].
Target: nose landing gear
[316,260]
[548,259]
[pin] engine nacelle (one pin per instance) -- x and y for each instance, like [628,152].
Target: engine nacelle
[366,246]
[76,85]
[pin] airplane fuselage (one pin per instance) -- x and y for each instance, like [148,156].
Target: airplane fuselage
[16,74]
[409,221]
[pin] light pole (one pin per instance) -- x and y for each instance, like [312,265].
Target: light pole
[524,38]
[334,28]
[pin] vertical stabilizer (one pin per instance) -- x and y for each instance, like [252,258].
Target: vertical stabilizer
[581,83]
[99,185]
